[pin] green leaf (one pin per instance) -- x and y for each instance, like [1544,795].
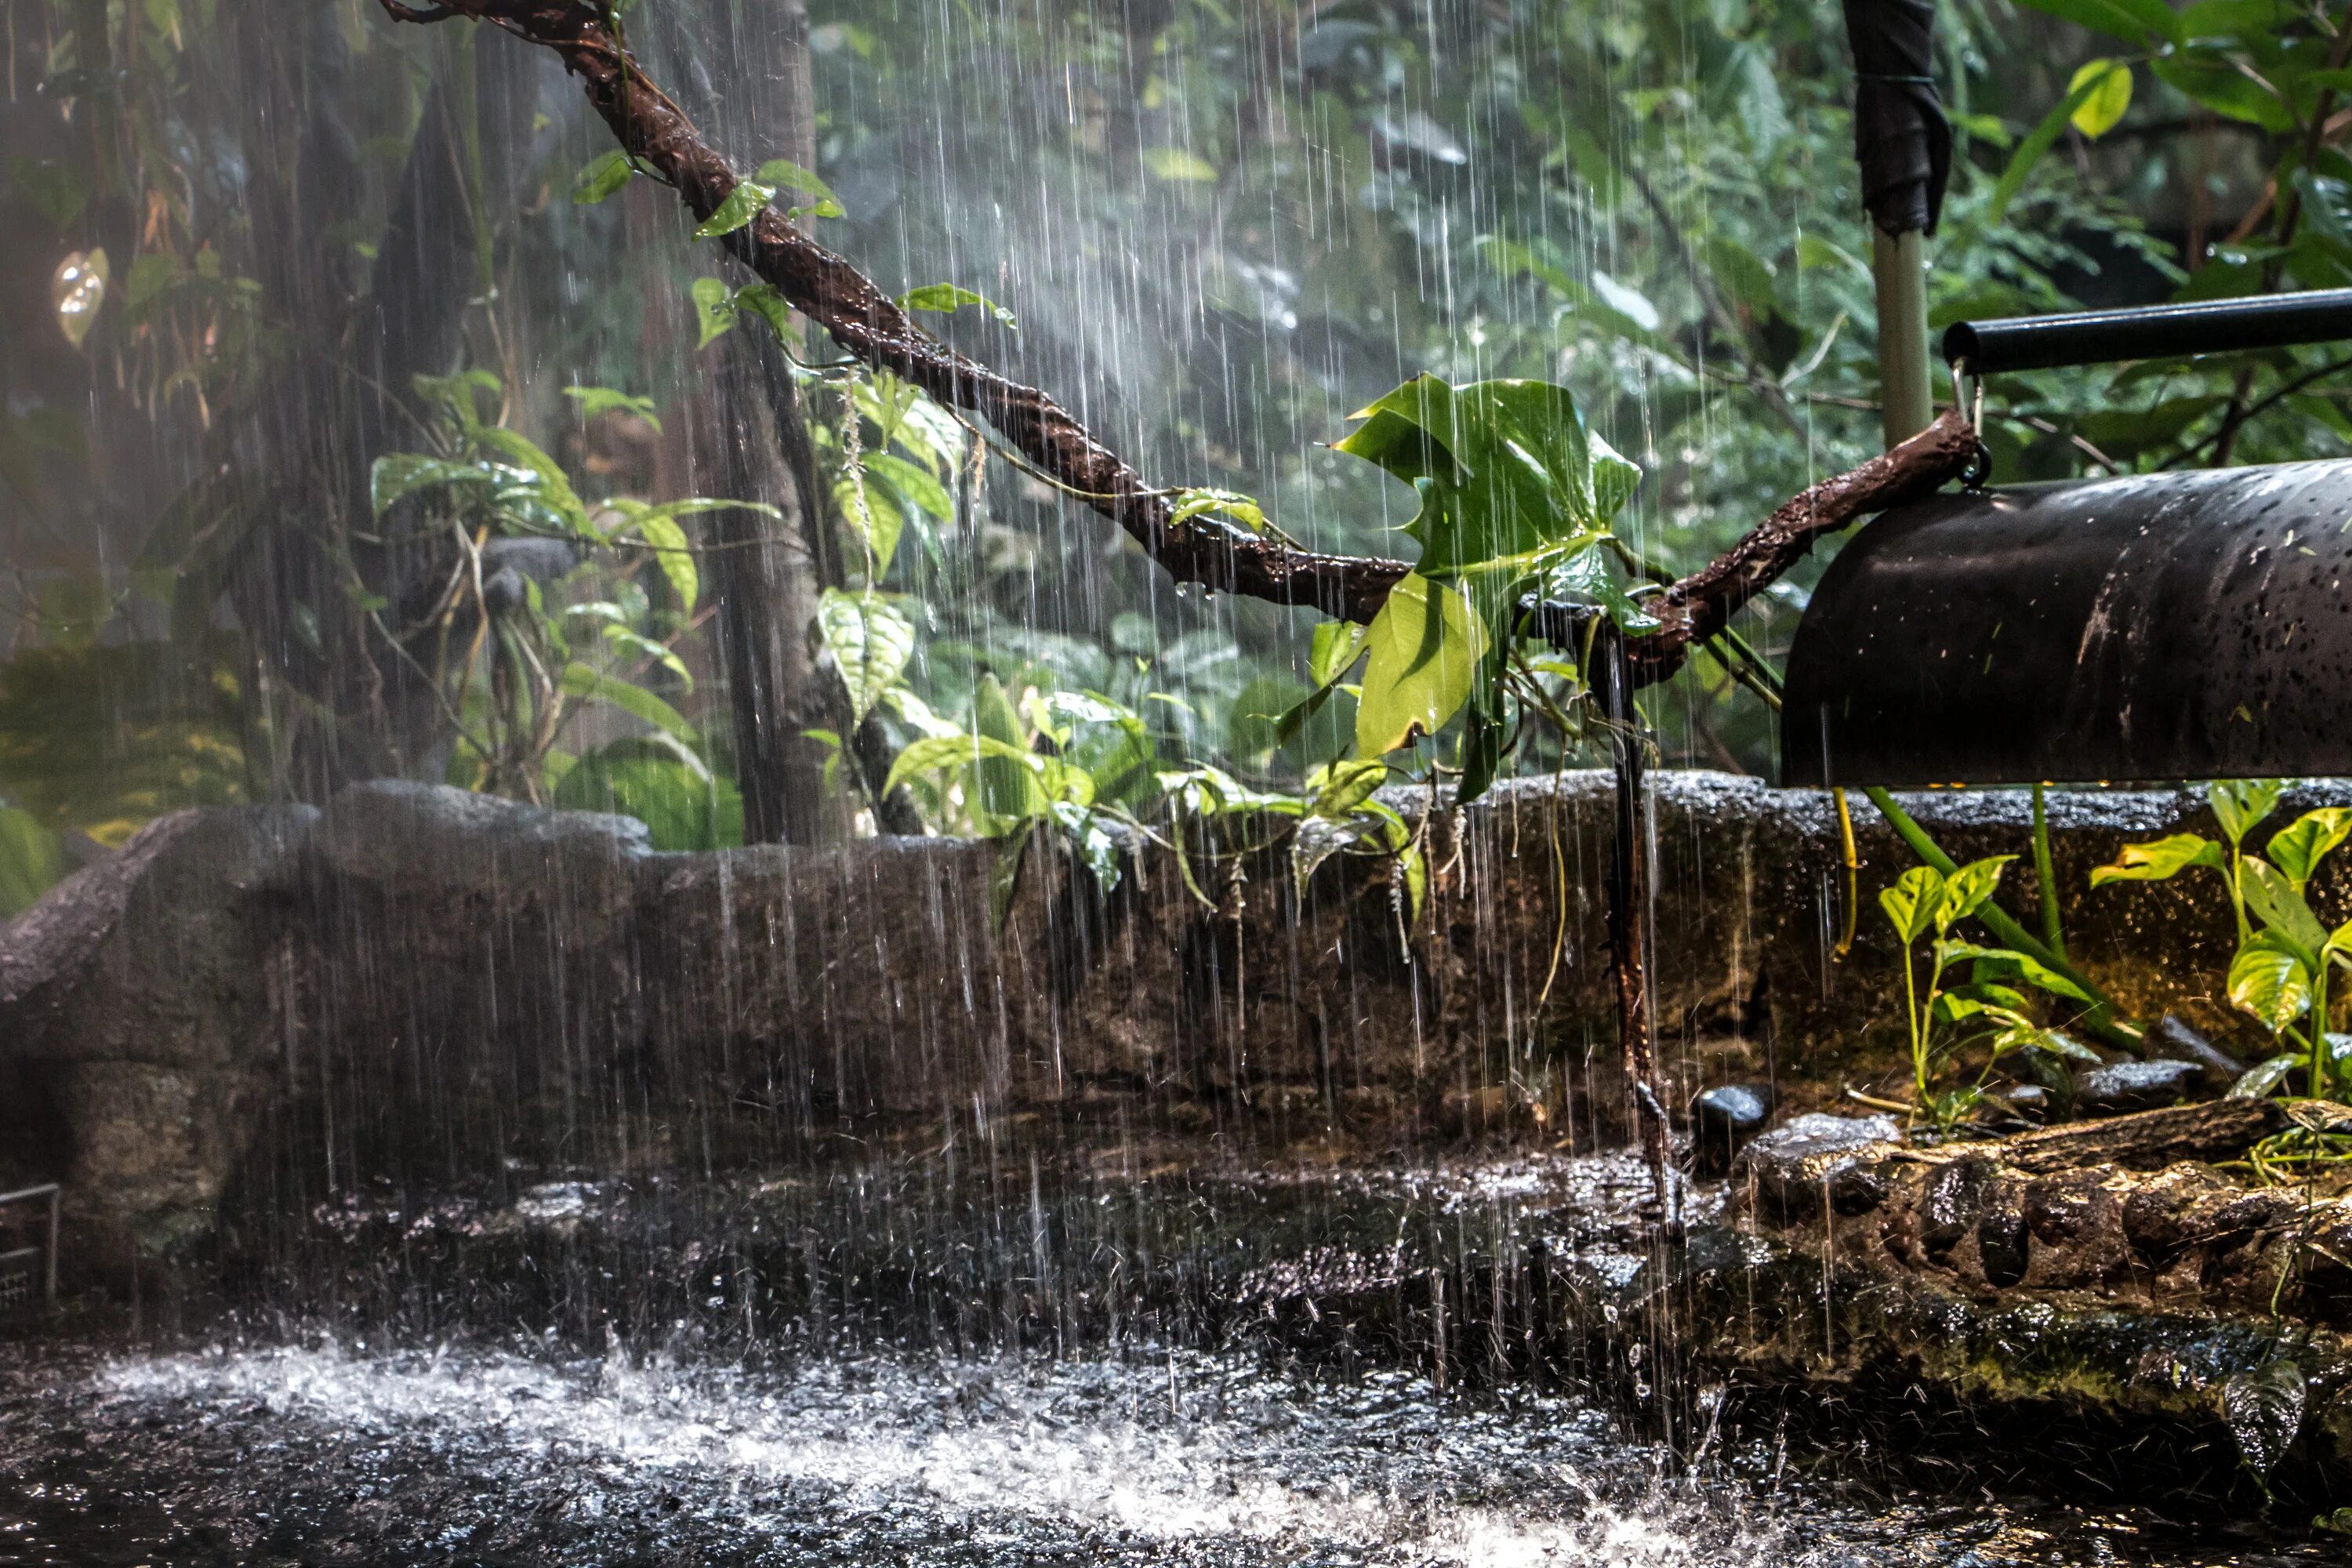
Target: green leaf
[553,486]
[945,299]
[1425,645]
[2032,150]
[2270,979]
[2141,23]
[2270,895]
[2257,1081]
[2033,970]
[1008,792]
[743,204]
[1344,785]
[1176,163]
[911,483]
[398,474]
[766,301]
[2163,859]
[714,309]
[663,785]
[672,555]
[1506,470]
[1966,889]
[1198,502]
[56,190]
[2059,1044]
[596,400]
[1095,844]
[1912,903]
[31,860]
[781,174]
[1743,276]
[2239,18]
[871,641]
[1333,649]
[2297,848]
[2110,82]
[591,686]
[601,178]
[636,643]
[2241,804]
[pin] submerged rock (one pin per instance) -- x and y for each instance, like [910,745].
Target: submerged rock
[2173,1040]
[1723,1119]
[1818,1161]
[2122,1087]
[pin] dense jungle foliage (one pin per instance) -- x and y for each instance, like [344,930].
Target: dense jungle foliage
[366,415]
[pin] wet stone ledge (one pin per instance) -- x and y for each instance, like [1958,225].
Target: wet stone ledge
[261,1007]
[2085,1270]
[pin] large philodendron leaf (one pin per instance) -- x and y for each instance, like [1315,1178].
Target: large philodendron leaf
[2271,979]
[1426,645]
[1505,469]
[871,641]
[1911,903]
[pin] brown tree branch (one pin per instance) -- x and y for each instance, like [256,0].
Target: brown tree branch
[871,327]
[1702,604]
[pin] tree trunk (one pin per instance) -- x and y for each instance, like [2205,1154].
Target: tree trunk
[766,596]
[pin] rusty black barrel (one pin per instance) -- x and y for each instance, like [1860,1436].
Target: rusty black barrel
[2184,625]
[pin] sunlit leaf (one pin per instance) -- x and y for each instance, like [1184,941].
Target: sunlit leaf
[1176,163]
[592,686]
[947,298]
[1912,903]
[601,178]
[2297,848]
[714,309]
[2110,82]
[2257,1081]
[2270,895]
[2161,860]
[2241,804]
[1424,647]
[2271,979]
[781,174]
[742,204]
[871,641]
[1966,888]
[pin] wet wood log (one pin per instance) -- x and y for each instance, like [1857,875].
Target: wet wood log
[2149,1140]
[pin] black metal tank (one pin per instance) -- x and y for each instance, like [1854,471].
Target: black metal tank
[2182,626]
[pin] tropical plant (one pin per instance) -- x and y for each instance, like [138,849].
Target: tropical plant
[2286,953]
[1987,1010]
[510,663]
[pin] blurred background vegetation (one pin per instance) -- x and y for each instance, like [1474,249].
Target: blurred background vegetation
[251,249]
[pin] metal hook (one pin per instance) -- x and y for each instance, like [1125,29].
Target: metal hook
[1979,466]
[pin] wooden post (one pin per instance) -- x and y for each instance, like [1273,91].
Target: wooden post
[1899,265]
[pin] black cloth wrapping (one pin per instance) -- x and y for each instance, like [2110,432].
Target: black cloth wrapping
[1900,135]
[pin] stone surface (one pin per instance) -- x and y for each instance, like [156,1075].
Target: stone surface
[1723,1119]
[418,979]
[1816,1159]
[2122,1087]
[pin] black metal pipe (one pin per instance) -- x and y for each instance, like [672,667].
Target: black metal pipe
[2150,331]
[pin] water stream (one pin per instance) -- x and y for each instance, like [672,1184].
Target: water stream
[1088,1409]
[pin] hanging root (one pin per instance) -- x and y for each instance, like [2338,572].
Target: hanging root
[873,327]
